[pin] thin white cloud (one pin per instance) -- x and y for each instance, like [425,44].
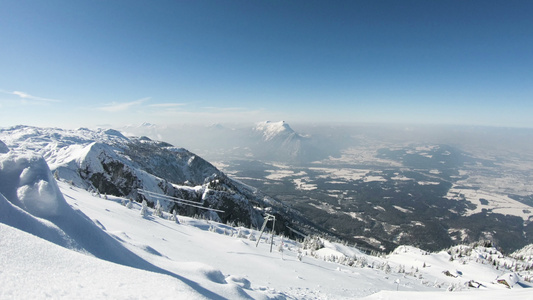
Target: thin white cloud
[26,96]
[122,106]
[167,105]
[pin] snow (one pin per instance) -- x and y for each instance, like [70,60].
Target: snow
[496,202]
[303,184]
[27,180]
[404,210]
[467,295]
[374,179]
[281,174]
[272,129]
[401,177]
[222,265]
[525,253]
[341,173]
[61,241]
[33,268]
[428,183]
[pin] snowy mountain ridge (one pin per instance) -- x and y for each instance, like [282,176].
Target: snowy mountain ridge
[107,162]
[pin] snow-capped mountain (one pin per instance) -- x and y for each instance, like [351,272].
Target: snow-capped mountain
[279,142]
[275,130]
[107,162]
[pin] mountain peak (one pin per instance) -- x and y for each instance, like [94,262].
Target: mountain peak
[273,129]
[146,124]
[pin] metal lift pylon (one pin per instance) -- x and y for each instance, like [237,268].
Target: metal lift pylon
[272,218]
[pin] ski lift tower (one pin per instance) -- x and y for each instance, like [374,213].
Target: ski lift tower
[272,218]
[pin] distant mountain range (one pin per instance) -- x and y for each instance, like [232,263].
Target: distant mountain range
[267,140]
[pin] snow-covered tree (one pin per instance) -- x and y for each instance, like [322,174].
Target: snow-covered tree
[158,211]
[280,247]
[144,209]
[174,217]
[312,243]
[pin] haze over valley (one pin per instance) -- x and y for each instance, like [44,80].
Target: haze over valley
[381,185]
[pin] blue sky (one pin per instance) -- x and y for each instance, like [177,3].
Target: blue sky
[87,63]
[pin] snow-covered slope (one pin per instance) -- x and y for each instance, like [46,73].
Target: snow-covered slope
[33,268]
[111,250]
[525,254]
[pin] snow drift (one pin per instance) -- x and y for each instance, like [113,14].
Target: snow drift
[34,268]
[31,200]
[27,182]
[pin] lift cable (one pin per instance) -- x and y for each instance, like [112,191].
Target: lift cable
[177,200]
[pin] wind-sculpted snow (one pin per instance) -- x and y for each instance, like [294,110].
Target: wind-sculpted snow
[15,216]
[27,182]
[30,194]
